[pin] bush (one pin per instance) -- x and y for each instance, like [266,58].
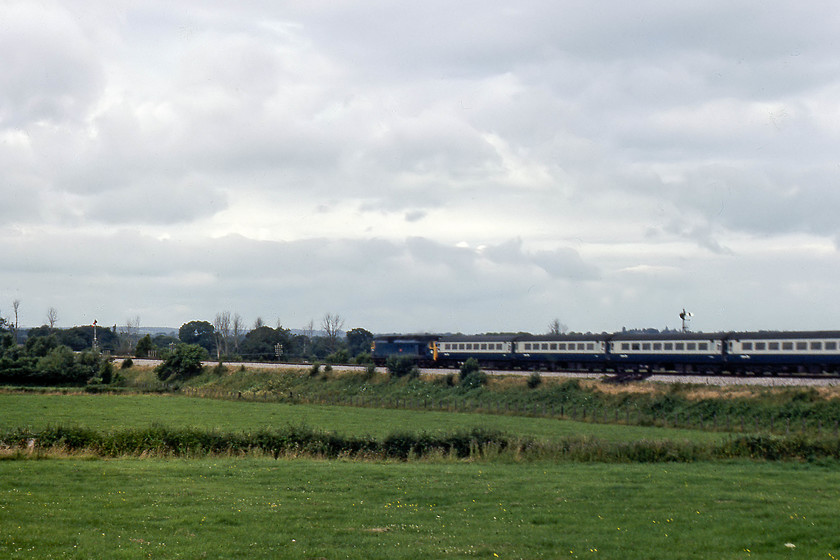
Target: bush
[363,359]
[106,372]
[402,366]
[339,357]
[315,369]
[127,363]
[60,366]
[471,375]
[534,380]
[183,363]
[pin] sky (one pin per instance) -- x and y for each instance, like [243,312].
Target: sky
[430,166]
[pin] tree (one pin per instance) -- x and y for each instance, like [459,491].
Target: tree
[221,326]
[129,335]
[16,308]
[331,325]
[556,327]
[182,363]
[52,317]
[144,347]
[261,343]
[358,341]
[238,327]
[198,332]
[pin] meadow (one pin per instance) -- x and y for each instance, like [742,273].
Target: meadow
[108,412]
[80,504]
[262,508]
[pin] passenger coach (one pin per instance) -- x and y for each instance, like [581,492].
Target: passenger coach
[495,351]
[681,352]
[783,352]
[571,352]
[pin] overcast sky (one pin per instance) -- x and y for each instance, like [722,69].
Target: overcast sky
[429,166]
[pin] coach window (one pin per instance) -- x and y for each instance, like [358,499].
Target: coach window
[527,346]
[625,346]
[760,345]
[581,346]
[590,346]
[704,346]
[554,346]
[657,346]
[668,346]
[746,346]
[484,346]
[646,346]
[679,346]
[816,345]
[831,345]
[691,346]
[561,346]
[545,346]
[772,345]
[801,345]
[635,346]
[787,345]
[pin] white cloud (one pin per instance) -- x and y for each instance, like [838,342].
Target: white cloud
[443,166]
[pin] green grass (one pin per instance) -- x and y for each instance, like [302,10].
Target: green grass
[261,508]
[106,412]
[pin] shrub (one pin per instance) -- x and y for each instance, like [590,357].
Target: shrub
[339,357]
[401,366]
[315,369]
[471,375]
[183,363]
[534,380]
[106,371]
[363,359]
[60,366]
[127,363]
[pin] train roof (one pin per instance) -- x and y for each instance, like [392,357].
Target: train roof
[393,337]
[671,335]
[479,337]
[566,337]
[778,335]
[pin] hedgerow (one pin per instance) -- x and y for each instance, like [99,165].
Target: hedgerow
[291,441]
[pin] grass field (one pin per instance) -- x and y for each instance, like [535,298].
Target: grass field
[236,507]
[104,412]
[261,508]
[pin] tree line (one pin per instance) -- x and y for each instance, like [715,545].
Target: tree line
[47,355]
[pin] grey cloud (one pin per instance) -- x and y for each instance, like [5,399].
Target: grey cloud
[50,71]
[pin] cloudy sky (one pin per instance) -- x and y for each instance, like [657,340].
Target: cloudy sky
[428,166]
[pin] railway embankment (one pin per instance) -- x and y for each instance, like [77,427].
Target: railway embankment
[774,408]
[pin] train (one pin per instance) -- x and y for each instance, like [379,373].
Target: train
[625,353]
